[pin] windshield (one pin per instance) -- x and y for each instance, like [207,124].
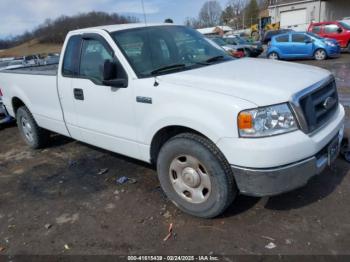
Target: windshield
[314,35]
[345,25]
[240,40]
[149,49]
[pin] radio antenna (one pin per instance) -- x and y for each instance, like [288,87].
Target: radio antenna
[144,12]
[149,38]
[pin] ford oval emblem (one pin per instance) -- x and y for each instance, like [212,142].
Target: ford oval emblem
[329,103]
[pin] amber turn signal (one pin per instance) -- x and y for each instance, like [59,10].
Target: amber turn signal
[245,121]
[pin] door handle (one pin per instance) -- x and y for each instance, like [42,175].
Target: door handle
[78,94]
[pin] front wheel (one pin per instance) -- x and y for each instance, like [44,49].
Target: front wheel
[195,175]
[320,54]
[273,56]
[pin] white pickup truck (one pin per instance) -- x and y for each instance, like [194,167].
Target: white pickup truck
[214,126]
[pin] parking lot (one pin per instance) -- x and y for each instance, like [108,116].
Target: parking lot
[65,200]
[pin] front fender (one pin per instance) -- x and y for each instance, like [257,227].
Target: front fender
[214,118]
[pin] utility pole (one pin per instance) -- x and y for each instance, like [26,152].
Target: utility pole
[243,20]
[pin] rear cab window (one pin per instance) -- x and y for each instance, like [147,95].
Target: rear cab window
[71,57]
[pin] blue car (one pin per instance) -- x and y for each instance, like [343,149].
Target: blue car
[300,45]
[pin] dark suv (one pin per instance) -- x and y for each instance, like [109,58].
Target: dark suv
[269,34]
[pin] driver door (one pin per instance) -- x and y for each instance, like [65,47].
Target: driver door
[302,45]
[105,114]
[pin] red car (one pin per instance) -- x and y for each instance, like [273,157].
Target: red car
[339,31]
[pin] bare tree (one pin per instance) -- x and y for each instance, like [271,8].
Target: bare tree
[193,22]
[210,13]
[251,11]
[233,14]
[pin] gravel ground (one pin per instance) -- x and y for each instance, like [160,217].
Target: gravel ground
[62,200]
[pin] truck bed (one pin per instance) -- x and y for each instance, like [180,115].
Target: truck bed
[36,87]
[35,70]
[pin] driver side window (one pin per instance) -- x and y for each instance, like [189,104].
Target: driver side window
[93,56]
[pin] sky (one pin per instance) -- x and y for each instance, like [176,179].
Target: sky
[17,16]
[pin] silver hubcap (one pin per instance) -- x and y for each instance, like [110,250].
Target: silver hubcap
[273,56]
[320,55]
[27,129]
[190,179]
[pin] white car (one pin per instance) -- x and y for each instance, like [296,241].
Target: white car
[213,126]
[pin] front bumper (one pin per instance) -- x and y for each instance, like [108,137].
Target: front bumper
[334,51]
[274,181]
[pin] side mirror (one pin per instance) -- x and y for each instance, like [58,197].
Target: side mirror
[308,41]
[110,75]
[339,30]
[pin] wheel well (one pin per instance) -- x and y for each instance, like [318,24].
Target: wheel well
[16,103]
[320,48]
[163,135]
[273,52]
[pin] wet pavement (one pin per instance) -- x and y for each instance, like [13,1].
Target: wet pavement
[58,201]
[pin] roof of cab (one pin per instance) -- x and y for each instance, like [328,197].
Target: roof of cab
[120,27]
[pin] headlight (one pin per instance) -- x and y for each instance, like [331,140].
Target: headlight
[331,44]
[266,121]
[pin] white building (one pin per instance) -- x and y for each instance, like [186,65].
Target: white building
[297,15]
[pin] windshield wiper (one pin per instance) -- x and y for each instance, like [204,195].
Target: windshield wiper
[168,68]
[215,58]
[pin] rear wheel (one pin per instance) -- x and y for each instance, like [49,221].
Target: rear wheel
[348,48]
[320,54]
[33,135]
[195,175]
[273,56]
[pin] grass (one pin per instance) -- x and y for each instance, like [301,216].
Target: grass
[30,48]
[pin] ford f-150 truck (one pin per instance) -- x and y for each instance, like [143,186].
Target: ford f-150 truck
[213,126]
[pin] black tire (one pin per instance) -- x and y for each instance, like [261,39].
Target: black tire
[38,137]
[223,189]
[348,47]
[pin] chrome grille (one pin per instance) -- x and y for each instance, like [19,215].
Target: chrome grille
[315,105]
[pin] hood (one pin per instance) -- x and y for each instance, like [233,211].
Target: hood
[330,40]
[260,81]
